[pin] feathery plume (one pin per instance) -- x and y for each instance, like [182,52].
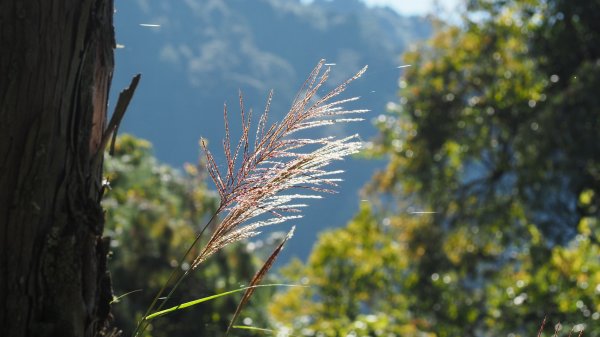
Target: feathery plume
[257,176]
[263,178]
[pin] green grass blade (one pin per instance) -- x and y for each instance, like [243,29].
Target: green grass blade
[208,298]
[252,328]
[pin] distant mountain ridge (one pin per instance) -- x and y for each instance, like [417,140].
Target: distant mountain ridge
[204,51]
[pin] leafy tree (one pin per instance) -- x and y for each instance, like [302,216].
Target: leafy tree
[153,214]
[353,277]
[496,135]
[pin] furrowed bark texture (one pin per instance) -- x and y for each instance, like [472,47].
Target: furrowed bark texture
[56,62]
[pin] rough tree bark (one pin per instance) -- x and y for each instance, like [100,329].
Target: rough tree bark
[56,63]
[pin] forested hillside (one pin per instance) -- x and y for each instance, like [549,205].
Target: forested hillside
[203,52]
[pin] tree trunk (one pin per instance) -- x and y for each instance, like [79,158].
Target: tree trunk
[56,62]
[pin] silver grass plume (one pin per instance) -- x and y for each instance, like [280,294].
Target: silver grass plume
[264,178]
[260,178]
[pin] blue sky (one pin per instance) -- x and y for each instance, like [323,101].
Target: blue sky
[415,7]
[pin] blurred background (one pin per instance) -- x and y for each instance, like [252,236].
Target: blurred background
[473,210]
[197,55]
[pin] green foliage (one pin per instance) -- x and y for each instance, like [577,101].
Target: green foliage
[353,276]
[496,134]
[153,215]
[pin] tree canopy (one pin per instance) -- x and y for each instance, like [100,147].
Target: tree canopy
[488,212]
